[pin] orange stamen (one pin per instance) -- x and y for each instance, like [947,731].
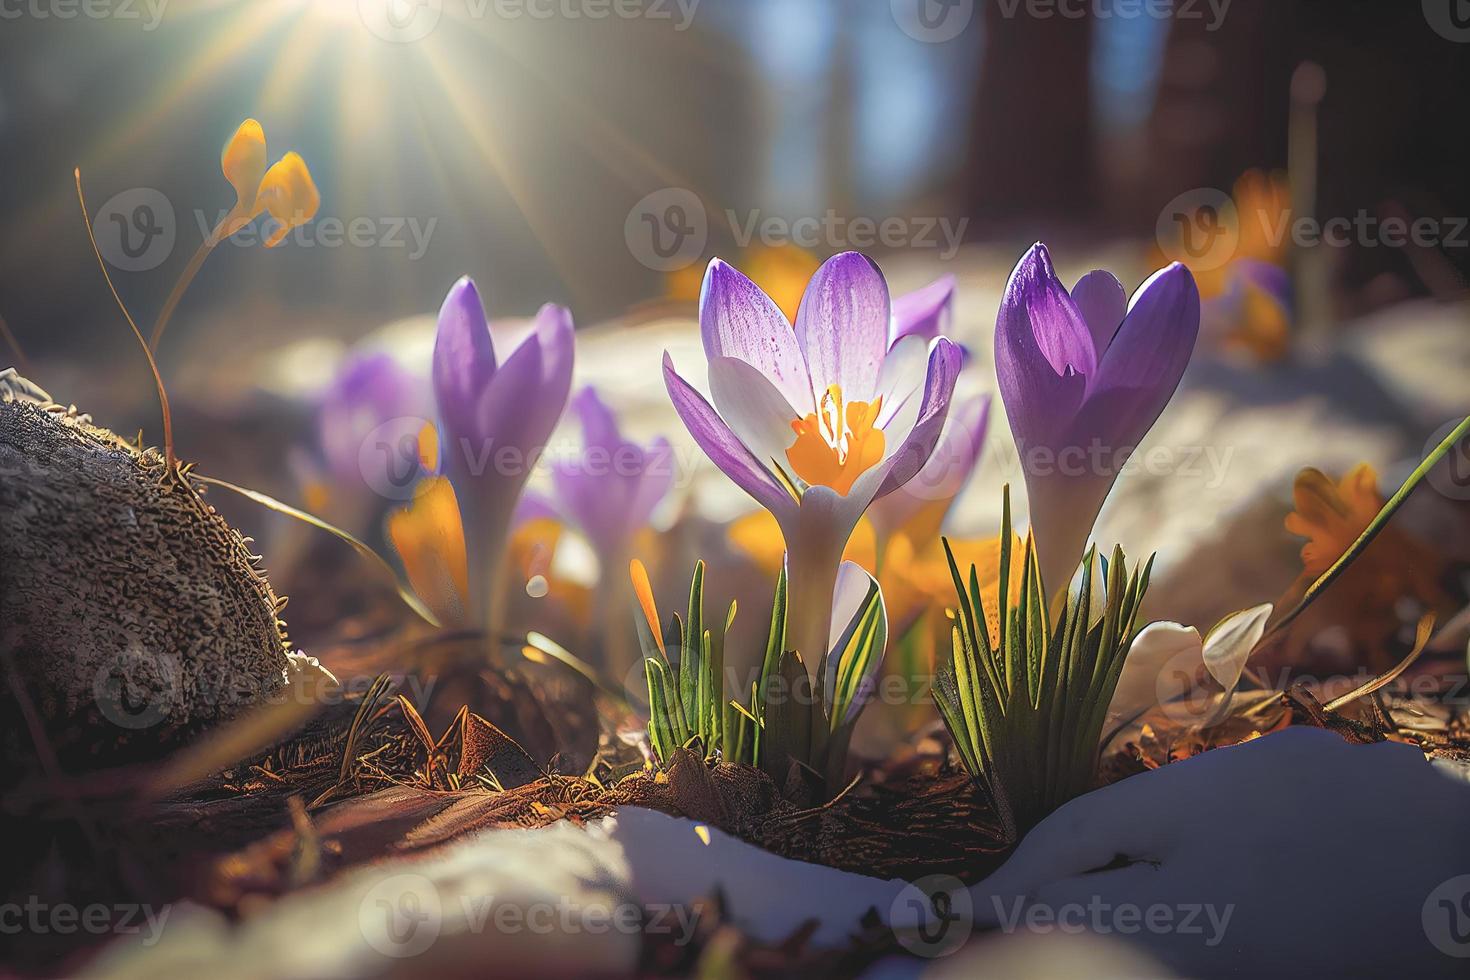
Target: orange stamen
[838,443]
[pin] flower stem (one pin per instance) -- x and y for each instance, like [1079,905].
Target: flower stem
[190,271]
[813,556]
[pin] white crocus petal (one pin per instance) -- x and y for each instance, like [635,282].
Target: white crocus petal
[1157,647]
[753,408]
[847,600]
[1229,644]
[863,490]
[901,384]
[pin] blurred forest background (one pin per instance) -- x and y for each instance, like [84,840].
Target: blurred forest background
[521,143]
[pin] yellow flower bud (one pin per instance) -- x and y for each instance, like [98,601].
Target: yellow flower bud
[289,194]
[243,163]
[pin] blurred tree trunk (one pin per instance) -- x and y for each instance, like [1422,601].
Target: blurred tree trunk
[1391,139]
[1222,102]
[1031,149]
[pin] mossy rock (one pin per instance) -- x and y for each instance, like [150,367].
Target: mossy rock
[131,614]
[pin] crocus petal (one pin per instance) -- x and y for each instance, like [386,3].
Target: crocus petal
[599,425]
[918,445]
[942,478]
[753,409]
[1141,369]
[1229,644]
[901,382]
[1157,646]
[497,422]
[654,483]
[464,356]
[847,599]
[1268,277]
[853,584]
[430,539]
[842,325]
[372,397]
[597,506]
[925,313]
[554,332]
[1103,302]
[737,319]
[1043,352]
[534,506]
[722,446]
[611,490]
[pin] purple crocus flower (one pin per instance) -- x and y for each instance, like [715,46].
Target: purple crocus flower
[918,507]
[1084,375]
[368,426]
[818,421]
[926,312]
[609,491]
[496,414]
